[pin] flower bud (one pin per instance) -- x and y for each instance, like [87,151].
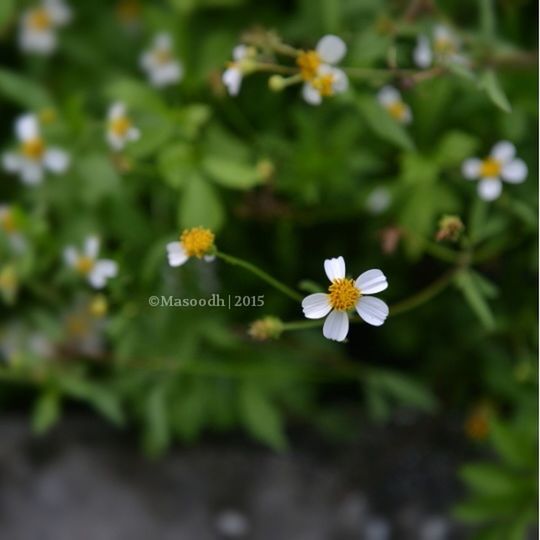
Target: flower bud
[265,328]
[276,83]
[450,228]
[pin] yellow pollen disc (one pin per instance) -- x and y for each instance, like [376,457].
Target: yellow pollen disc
[120,126]
[197,241]
[308,62]
[397,110]
[324,84]
[343,294]
[490,168]
[84,264]
[33,148]
[444,46]
[7,222]
[39,19]
[162,56]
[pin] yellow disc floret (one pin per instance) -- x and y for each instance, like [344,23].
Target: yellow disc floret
[444,46]
[397,110]
[324,84]
[162,56]
[39,19]
[8,222]
[490,168]
[308,62]
[120,126]
[197,242]
[84,264]
[33,148]
[343,294]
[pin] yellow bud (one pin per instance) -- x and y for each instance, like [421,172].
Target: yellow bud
[265,328]
[276,83]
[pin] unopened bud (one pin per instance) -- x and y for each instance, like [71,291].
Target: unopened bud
[265,328]
[276,83]
[450,228]
[98,306]
[265,169]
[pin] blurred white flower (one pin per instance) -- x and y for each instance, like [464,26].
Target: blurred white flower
[444,48]
[97,271]
[378,200]
[11,228]
[160,64]
[37,33]
[120,129]
[17,343]
[242,63]
[390,98]
[345,294]
[33,158]
[317,69]
[196,242]
[501,164]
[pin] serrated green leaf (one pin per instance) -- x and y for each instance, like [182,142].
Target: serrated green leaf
[200,205]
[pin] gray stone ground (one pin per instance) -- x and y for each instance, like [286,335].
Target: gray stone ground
[85,481]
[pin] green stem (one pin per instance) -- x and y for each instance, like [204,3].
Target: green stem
[261,274]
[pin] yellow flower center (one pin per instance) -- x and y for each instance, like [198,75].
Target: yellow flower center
[120,126]
[197,241]
[490,168]
[162,56]
[397,110]
[7,222]
[444,46]
[77,325]
[343,294]
[98,306]
[39,19]
[308,62]
[33,148]
[324,84]
[84,264]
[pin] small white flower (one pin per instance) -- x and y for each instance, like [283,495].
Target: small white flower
[378,200]
[317,69]
[160,64]
[97,271]
[501,164]
[120,129]
[10,226]
[38,26]
[444,48]
[345,294]
[390,98]
[196,242]
[33,157]
[241,64]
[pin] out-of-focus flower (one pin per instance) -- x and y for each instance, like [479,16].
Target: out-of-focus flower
[266,328]
[378,200]
[501,164]
[33,157]
[160,63]
[345,294]
[390,98]
[129,13]
[450,228]
[37,33]
[120,129]
[10,225]
[317,69]
[9,283]
[97,271]
[196,242]
[390,237]
[477,423]
[443,48]
[243,63]
[19,343]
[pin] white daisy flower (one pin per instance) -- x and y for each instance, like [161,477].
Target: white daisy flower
[38,26]
[242,63]
[378,200]
[443,48]
[33,157]
[390,98]
[160,64]
[97,271]
[345,294]
[196,242]
[501,164]
[317,69]
[10,226]
[120,129]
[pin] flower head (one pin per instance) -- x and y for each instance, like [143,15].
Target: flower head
[38,26]
[33,157]
[345,294]
[120,129]
[160,63]
[317,69]
[390,98]
[85,262]
[242,64]
[10,225]
[501,164]
[266,328]
[196,242]
[443,48]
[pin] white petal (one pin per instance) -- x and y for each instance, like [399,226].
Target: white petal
[31,173]
[336,326]
[115,141]
[101,272]
[59,12]
[91,246]
[441,32]
[38,42]
[56,160]
[489,189]
[335,268]
[372,281]
[311,94]
[209,258]
[388,95]
[176,254]
[240,52]
[71,255]
[471,168]
[27,127]
[232,79]
[331,49]
[372,310]
[407,115]
[503,151]
[422,54]
[11,162]
[163,41]
[378,200]
[117,110]
[316,306]
[341,81]
[133,134]
[163,75]
[514,171]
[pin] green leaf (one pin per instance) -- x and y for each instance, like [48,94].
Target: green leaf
[136,94]
[514,446]
[46,411]
[382,124]
[487,19]
[454,148]
[492,479]
[23,91]
[490,84]
[176,164]
[156,131]
[461,71]
[156,436]
[7,11]
[98,176]
[231,174]
[472,293]
[189,412]
[261,416]
[200,205]
[484,508]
